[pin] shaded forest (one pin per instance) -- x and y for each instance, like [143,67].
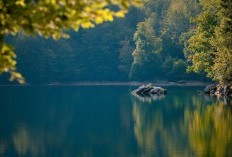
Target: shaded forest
[150,44]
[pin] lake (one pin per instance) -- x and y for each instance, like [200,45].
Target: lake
[107,121]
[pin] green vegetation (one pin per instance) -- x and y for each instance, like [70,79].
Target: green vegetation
[51,18]
[166,30]
[102,53]
[157,42]
[209,47]
[158,54]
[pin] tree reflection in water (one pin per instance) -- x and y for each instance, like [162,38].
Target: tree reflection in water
[151,98]
[25,143]
[68,123]
[2,148]
[183,126]
[64,121]
[210,130]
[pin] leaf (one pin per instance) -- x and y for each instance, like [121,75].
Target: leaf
[121,13]
[20,2]
[87,25]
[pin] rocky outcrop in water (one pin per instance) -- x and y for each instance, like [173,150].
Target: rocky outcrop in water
[224,90]
[149,90]
[210,89]
[218,90]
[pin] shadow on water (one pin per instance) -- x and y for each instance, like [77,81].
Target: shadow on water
[108,121]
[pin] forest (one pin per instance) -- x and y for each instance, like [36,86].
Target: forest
[164,40]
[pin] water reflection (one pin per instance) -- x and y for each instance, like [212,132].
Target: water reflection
[184,126]
[210,130]
[67,122]
[150,99]
[2,148]
[159,128]
[25,143]
[225,100]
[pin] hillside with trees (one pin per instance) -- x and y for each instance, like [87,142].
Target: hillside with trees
[209,46]
[160,41]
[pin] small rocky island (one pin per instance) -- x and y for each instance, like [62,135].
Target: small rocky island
[218,90]
[149,90]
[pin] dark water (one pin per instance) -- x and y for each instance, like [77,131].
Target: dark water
[106,121]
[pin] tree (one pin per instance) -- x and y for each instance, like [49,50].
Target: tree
[222,42]
[177,17]
[159,50]
[209,46]
[51,18]
[147,52]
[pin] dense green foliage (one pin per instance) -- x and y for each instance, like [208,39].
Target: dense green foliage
[158,54]
[102,53]
[51,18]
[209,47]
[147,45]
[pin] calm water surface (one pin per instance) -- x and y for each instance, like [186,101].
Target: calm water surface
[106,121]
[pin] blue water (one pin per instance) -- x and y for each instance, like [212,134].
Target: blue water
[107,121]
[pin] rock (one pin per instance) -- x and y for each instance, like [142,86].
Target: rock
[149,90]
[210,89]
[223,90]
[212,92]
[226,90]
[218,90]
[217,93]
[158,90]
[140,90]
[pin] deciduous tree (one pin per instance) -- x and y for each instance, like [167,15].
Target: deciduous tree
[51,18]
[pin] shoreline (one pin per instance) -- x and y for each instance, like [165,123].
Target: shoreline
[165,83]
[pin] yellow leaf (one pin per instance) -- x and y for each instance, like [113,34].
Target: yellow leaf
[120,13]
[108,17]
[20,2]
[87,25]
[99,20]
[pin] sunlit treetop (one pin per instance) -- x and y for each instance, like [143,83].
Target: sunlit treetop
[209,48]
[52,18]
